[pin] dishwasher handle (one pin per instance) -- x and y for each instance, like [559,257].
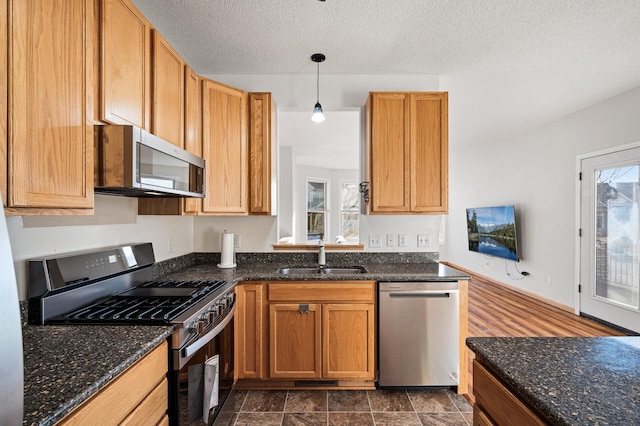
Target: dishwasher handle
[421,294]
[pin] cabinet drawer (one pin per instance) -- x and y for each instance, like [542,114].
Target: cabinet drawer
[152,409]
[496,401]
[322,291]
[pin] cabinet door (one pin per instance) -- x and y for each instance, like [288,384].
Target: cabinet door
[295,341]
[224,148]
[167,120]
[348,341]
[390,184]
[4,43]
[262,142]
[250,328]
[192,139]
[50,145]
[429,153]
[125,62]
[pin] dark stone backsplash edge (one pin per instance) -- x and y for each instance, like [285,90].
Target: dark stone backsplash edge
[179,263]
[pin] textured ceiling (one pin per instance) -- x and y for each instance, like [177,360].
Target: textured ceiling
[538,59]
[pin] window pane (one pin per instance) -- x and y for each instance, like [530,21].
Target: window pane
[350,196]
[316,195]
[351,226]
[315,225]
[617,274]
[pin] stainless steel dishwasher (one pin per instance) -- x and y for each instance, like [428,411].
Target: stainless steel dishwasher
[418,338]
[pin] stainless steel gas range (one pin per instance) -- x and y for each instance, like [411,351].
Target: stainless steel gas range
[113,285]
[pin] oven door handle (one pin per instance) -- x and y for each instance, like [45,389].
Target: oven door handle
[189,348]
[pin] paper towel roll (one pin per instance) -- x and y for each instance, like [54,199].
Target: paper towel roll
[227,259]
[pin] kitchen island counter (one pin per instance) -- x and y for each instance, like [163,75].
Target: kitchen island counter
[568,380]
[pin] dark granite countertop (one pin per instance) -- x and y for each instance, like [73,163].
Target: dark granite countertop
[268,271]
[64,365]
[569,380]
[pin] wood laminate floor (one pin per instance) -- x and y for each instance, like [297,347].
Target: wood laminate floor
[494,311]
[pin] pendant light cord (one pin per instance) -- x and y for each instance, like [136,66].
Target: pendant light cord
[318,84]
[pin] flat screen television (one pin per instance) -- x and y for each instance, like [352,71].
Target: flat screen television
[492,231]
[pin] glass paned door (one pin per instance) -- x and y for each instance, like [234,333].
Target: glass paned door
[609,261]
[317,209]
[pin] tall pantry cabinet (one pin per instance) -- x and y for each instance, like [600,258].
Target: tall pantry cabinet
[48,98]
[406,161]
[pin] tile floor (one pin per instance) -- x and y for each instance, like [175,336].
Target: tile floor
[342,407]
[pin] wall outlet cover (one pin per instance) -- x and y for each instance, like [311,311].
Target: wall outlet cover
[391,240]
[402,240]
[423,240]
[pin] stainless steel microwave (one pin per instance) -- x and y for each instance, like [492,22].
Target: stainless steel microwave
[132,162]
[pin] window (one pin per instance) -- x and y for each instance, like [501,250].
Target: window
[317,209]
[350,211]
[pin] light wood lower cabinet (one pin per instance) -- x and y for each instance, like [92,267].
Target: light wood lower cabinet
[496,404]
[139,396]
[321,330]
[250,327]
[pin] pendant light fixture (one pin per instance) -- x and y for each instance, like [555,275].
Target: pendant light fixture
[318,115]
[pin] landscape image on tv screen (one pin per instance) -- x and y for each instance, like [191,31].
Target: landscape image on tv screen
[492,231]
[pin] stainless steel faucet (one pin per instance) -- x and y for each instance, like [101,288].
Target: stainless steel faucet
[322,260]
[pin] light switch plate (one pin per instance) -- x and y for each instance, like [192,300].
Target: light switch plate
[375,240]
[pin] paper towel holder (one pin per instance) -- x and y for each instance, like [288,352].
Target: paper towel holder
[227,255]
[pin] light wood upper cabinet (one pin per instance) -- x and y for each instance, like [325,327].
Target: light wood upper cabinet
[188,206]
[125,39]
[262,155]
[168,92]
[224,148]
[4,43]
[407,164]
[50,106]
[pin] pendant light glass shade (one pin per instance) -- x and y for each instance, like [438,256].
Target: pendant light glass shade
[318,115]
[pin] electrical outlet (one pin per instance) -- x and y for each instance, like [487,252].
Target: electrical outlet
[391,240]
[423,240]
[375,241]
[402,240]
[169,245]
[236,241]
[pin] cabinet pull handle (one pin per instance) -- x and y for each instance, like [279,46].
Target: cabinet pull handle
[303,309]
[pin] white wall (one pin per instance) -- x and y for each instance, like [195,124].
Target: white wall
[536,172]
[115,222]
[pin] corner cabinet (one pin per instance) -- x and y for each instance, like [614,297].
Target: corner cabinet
[406,152]
[125,75]
[262,154]
[323,332]
[49,104]
[224,148]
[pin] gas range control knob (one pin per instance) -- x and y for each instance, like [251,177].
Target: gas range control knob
[197,327]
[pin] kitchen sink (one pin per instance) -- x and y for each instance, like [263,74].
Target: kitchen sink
[323,271]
